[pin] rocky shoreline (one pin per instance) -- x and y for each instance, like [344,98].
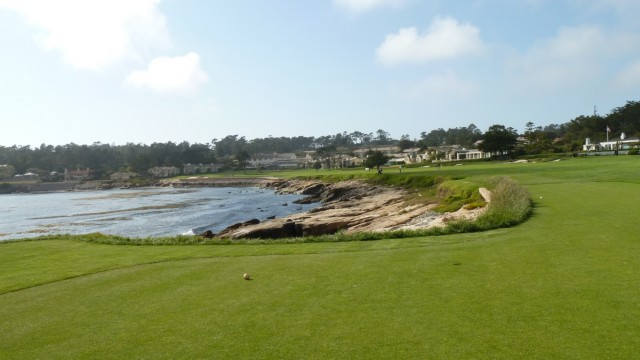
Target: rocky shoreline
[349,206]
[203,181]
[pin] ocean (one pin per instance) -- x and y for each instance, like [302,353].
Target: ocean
[142,212]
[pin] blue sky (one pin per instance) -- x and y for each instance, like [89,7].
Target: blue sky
[145,71]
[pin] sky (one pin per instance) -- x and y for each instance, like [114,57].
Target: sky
[145,71]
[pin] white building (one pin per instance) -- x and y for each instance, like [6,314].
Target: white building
[200,168]
[621,143]
[164,171]
[412,156]
[391,151]
[77,175]
[467,154]
[275,160]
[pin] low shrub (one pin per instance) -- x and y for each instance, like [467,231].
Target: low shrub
[510,205]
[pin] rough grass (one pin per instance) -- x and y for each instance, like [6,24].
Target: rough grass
[454,194]
[510,205]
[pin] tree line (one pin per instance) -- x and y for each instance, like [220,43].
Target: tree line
[105,159]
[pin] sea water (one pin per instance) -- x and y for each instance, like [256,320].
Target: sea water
[140,212]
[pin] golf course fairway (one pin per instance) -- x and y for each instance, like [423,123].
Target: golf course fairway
[565,284]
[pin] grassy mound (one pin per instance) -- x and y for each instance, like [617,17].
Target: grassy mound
[510,205]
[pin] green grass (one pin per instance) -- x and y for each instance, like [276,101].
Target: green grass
[453,194]
[562,285]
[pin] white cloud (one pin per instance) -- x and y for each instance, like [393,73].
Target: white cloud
[94,34]
[358,6]
[446,38]
[629,76]
[574,55]
[170,74]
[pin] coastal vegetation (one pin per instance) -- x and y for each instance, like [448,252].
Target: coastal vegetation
[559,285]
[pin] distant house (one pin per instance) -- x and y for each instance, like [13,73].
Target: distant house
[412,156]
[200,168]
[309,154]
[164,171]
[395,155]
[439,153]
[455,153]
[467,154]
[621,143]
[390,151]
[274,160]
[53,176]
[29,176]
[77,175]
[396,161]
[350,161]
[122,175]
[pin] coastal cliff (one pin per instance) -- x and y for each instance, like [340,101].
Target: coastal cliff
[349,206]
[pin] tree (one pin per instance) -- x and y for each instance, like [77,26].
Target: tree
[326,153]
[499,140]
[6,171]
[625,118]
[433,138]
[383,137]
[375,159]
[406,142]
[342,140]
[356,137]
[464,136]
[229,145]
[317,165]
[529,128]
[242,157]
[367,139]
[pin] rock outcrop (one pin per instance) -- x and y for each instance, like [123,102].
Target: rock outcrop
[350,206]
